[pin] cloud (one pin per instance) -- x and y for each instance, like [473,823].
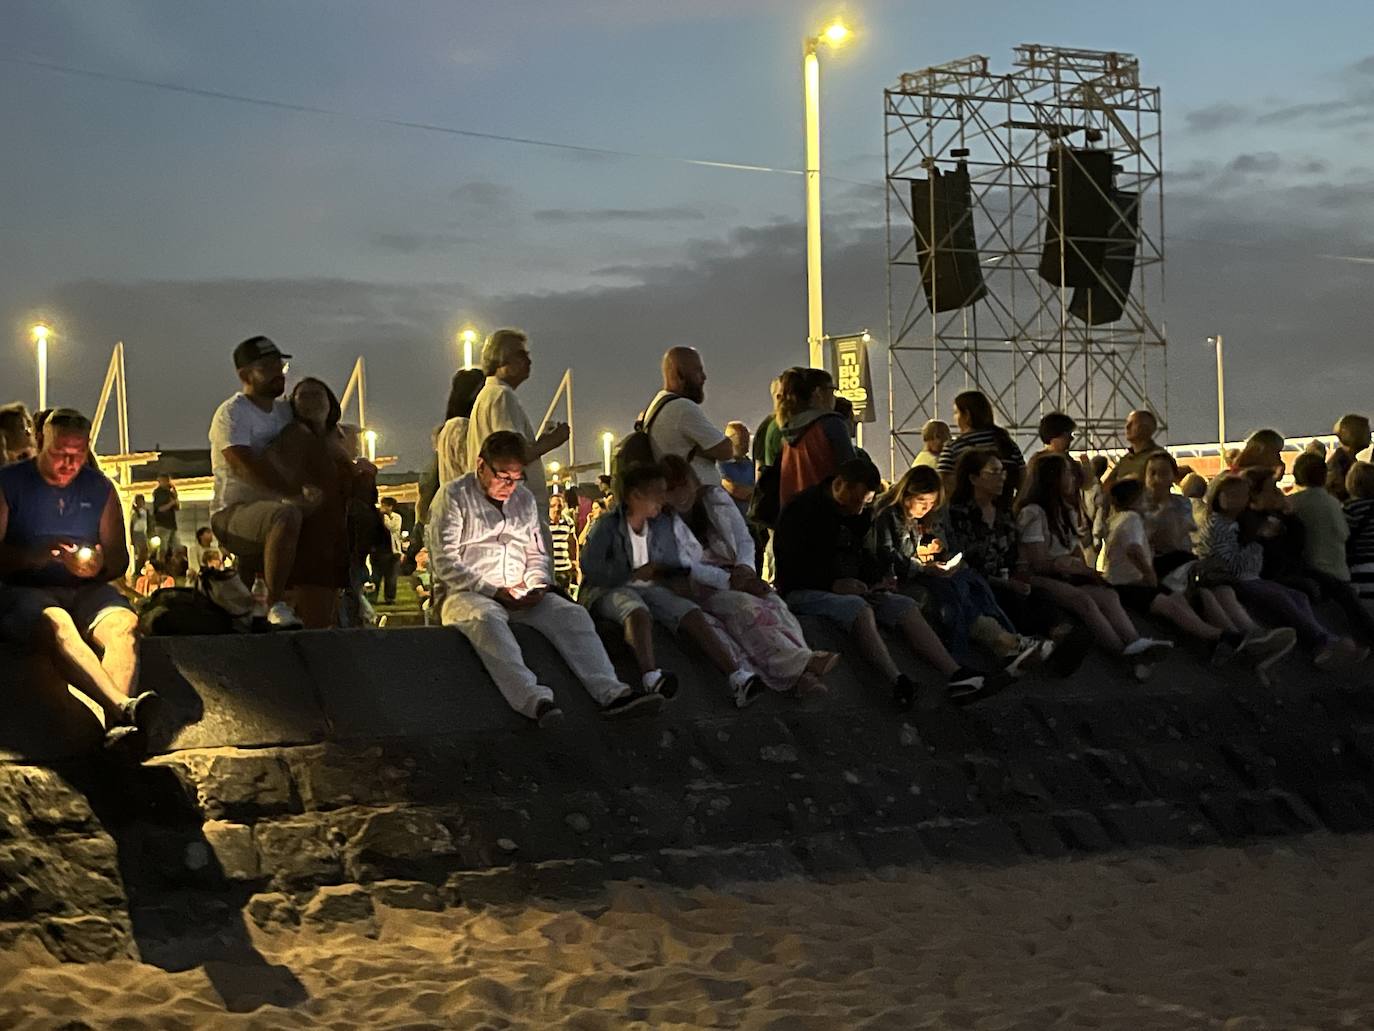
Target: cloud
[572,216]
[1216,116]
[484,195]
[1260,163]
[418,243]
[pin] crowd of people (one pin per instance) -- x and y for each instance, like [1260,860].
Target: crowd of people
[986,564]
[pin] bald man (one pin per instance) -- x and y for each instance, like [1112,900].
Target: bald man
[1141,427]
[679,426]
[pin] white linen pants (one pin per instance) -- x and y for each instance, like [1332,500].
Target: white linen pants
[566,625]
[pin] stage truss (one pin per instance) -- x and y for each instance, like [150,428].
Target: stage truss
[1020,345]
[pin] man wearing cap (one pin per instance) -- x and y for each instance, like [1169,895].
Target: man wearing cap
[255,512]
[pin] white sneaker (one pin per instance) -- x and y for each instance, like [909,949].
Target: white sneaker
[746,687]
[283,616]
[1147,649]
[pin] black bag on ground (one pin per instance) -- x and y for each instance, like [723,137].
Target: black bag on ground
[637,448]
[182,611]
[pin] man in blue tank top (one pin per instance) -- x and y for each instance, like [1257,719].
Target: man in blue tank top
[61,543]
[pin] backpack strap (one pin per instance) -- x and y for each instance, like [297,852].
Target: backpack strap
[649,416]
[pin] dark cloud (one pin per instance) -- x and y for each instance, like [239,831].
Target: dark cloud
[1260,163]
[417,243]
[484,195]
[1216,116]
[573,216]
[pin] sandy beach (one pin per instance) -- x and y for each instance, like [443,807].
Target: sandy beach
[1271,936]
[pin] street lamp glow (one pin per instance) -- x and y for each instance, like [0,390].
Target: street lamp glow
[836,33]
[40,339]
[370,438]
[607,439]
[554,467]
[468,337]
[1215,341]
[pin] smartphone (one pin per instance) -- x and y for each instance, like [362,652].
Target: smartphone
[952,562]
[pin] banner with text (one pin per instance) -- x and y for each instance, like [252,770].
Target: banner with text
[852,377]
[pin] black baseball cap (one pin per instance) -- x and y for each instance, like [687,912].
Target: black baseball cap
[254,348]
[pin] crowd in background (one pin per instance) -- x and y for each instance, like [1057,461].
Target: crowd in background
[985,563]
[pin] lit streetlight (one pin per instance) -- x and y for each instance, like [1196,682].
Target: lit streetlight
[468,337]
[834,35]
[1215,341]
[607,439]
[40,340]
[370,440]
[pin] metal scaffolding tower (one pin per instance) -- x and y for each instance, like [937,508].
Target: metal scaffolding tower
[1021,343]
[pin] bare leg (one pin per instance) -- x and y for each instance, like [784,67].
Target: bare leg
[694,625]
[926,643]
[639,635]
[316,606]
[872,646]
[1108,602]
[1214,613]
[116,639]
[1239,614]
[279,550]
[58,635]
[1078,602]
[1178,612]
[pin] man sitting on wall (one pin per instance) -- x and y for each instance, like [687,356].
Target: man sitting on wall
[61,543]
[487,547]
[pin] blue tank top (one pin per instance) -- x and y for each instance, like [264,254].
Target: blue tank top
[41,514]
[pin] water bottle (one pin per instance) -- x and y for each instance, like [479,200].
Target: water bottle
[259,597]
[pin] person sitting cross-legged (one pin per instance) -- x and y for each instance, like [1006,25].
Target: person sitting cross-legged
[825,568]
[637,569]
[487,547]
[61,545]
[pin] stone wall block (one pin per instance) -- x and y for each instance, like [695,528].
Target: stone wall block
[243,787]
[408,843]
[88,938]
[300,851]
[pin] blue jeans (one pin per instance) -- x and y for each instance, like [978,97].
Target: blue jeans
[889,609]
[962,599]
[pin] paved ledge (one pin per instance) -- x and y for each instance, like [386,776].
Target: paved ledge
[310,776]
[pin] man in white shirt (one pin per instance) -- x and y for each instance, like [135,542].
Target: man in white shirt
[255,512]
[507,363]
[388,559]
[487,548]
[679,426]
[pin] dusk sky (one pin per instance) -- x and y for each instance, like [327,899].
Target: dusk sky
[183,223]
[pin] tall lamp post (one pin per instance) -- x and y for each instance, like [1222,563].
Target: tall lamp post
[40,340]
[834,35]
[1215,341]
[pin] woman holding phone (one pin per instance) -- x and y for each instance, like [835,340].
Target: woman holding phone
[910,548]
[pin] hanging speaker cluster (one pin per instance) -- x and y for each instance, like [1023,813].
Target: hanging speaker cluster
[942,208]
[1091,234]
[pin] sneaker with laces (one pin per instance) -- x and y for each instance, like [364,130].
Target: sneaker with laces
[664,683]
[1031,651]
[966,686]
[283,617]
[631,704]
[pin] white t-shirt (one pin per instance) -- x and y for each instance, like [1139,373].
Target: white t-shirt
[681,426]
[926,459]
[639,546]
[1123,530]
[1033,527]
[238,422]
[497,408]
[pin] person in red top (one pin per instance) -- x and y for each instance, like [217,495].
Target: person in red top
[816,439]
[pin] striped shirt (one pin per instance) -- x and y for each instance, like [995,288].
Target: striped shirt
[562,556]
[1359,546]
[993,439]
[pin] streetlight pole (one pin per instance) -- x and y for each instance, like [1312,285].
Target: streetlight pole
[1215,341]
[40,339]
[834,35]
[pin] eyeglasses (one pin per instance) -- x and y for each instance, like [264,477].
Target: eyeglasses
[510,479]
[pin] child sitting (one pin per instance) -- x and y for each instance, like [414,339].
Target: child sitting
[1127,562]
[1227,558]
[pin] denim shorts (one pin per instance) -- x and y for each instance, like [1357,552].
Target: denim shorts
[889,608]
[667,608]
[21,608]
